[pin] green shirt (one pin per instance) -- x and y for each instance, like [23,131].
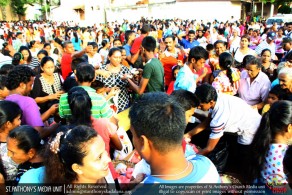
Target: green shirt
[153,71]
[100,107]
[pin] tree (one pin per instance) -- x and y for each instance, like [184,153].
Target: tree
[3,4]
[18,6]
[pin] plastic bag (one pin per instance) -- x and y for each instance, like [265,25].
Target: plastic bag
[127,145]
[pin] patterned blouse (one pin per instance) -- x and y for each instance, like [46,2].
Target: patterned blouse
[42,88]
[114,80]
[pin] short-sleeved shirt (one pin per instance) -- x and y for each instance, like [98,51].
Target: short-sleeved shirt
[100,107]
[255,92]
[127,47]
[186,79]
[232,114]
[137,44]
[187,44]
[153,71]
[203,171]
[30,111]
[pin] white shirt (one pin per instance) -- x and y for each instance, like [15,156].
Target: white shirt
[96,60]
[232,114]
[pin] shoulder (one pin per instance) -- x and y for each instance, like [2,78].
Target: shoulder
[33,176]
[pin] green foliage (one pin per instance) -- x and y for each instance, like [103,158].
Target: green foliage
[4,2]
[285,9]
[18,6]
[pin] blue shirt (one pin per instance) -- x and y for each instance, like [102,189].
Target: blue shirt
[187,44]
[128,49]
[186,79]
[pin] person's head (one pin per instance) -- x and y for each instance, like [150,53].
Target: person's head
[285,78]
[191,35]
[19,35]
[80,106]
[25,53]
[210,47]
[23,144]
[41,54]
[276,123]
[21,79]
[169,42]
[94,47]
[149,44]
[47,66]
[85,73]
[150,136]
[76,61]
[17,59]
[175,71]
[276,94]
[68,47]
[117,42]
[105,44]
[200,33]
[244,41]
[220,47]
[98,86]
[6,68]
[271,36]
[76,155]
[187,100]
[10,116]
[47,47]
[145,29]
[287,43]
[198,56]
[253,68]
[115,56]
[130,36]
[207,96]
[266,55]
[4,92]
[32,44]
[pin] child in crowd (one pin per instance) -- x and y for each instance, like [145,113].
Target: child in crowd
[276,94]
[175,70]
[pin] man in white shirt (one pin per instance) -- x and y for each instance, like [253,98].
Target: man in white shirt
[268,44]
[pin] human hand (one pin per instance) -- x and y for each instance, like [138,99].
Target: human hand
[187,137]
[56,96]
[54,109]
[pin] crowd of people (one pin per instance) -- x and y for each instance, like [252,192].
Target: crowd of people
[62,87]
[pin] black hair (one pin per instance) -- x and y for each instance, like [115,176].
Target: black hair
[145,29]
[157,106]
[47,44]
[17,57]
[8,111]
[288,56]
[206,93]
[279,92]
[44,52]
[255,61]
[59,41]
[113,50]
[225,62]
[22,48]
[6,68]
[273,122]
[20,74]
[80,106]
[66,43]
[31,44]
[209,47]
[3,81]
[177,67]
[127,34]
[104,42]
[198,53]
[75,36]
[27,138]
[264,50]
[185,98]
[85,73]
[97,85]
[76,61]
[117,39]
[72,149]
[93,44]
[169,36]
[149,43]
[246,60]
[45,60]
[192,32]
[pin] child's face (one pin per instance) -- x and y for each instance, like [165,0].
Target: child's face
[4,93]
[101,90]
[272,98]
[124,54]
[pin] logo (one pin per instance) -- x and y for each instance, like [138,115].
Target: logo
[276,183]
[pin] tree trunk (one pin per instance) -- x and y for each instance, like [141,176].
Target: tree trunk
[3,11]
